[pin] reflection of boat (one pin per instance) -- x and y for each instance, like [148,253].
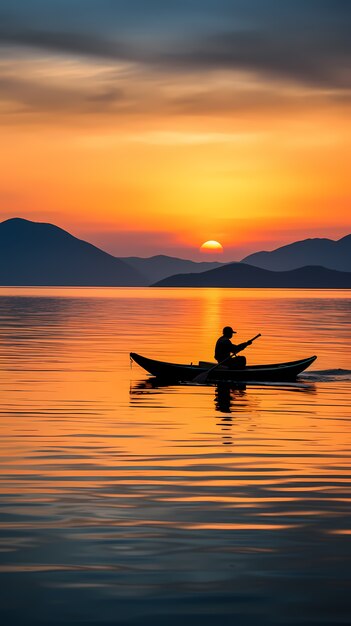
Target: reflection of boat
[226,394]
[252,373]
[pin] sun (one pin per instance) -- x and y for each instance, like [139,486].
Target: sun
[212,247]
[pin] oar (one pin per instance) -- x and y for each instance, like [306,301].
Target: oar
[201,378]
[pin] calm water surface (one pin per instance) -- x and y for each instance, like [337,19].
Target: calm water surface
[124,503]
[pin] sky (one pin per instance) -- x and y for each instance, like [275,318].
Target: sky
[149,127]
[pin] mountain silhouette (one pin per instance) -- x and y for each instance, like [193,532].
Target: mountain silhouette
[156,268]
[326,252]
[33,253]
[243,275]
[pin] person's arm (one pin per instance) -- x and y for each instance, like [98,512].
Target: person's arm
[241,346]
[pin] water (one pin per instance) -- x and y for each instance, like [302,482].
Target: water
[126,503]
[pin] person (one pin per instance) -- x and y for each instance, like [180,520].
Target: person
[225,348]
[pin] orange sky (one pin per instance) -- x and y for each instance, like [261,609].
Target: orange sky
[251,161]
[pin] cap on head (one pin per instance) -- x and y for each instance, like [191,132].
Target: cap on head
[228,331]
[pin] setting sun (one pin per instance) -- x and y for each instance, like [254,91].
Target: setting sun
[211,246]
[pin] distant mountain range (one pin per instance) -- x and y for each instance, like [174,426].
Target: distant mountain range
[325,252]
[157,267]
[243,275]
[33,253]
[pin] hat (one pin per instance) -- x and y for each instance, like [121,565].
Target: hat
[228,329]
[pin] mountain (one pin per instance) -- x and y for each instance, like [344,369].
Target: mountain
[326,252]
[157,267]
[243,275]
[33,253]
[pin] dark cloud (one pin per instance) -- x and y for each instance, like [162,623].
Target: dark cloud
[308,59]
[74,43]
[304,41]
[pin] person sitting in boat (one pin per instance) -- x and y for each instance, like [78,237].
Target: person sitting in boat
[225,349]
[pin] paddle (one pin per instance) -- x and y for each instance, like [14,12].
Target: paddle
[201,378]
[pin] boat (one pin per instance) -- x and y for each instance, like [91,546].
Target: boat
[276,372]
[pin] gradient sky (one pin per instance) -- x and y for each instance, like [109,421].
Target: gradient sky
[150,127]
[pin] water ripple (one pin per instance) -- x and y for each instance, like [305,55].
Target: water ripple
[125,502]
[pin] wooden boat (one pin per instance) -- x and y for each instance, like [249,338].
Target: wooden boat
[275,372]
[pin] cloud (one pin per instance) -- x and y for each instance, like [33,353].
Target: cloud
[296,40]
[184,58]
[309,60]
[74,43]
[31,84]
[62,87]
[29,95]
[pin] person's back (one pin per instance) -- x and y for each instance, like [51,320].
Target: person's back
[225,348]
